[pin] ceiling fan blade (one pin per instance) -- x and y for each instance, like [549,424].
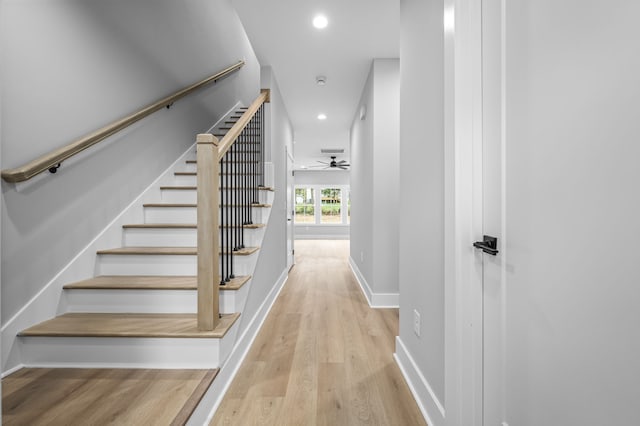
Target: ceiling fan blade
[341,162]
[323,162]
[343,167]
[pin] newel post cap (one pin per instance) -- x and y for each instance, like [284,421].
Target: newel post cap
[207,138]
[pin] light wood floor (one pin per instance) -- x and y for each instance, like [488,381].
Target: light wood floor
[67,396]
[322,357]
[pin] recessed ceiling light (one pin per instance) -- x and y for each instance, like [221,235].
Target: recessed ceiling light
[322,116]
[321,80]
[320,21]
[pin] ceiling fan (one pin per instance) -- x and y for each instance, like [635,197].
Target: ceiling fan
[333,164]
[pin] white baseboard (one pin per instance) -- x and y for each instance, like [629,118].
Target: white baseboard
[13,370]
[375,300]
[429,404]
[211,400]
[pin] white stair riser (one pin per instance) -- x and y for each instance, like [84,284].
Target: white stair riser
[146,301]
[126,352]
[110,264]
[160,237]
[185,180]
[190,215]
[189,196]
[163,237]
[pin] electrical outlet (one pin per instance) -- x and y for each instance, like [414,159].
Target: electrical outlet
[416,322]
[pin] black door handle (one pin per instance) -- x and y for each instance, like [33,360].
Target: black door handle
[489,245]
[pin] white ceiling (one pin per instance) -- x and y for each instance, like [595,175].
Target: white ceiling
[284,38]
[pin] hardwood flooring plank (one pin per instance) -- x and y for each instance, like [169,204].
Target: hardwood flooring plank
[333,402]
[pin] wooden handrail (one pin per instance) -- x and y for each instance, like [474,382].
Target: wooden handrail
[52,159]
[230,137]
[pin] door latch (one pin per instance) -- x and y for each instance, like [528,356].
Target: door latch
[488,245]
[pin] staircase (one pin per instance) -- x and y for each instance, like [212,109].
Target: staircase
[141,308]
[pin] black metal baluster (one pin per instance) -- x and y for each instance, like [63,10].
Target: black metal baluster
[223,270]
[243,166]
[261,132]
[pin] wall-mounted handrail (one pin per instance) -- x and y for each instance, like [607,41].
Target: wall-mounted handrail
[54,158]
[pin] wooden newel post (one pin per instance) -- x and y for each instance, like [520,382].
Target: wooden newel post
[208,231]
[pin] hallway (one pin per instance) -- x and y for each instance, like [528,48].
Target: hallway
[323,356]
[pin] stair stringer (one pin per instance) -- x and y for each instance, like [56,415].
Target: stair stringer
[49,301]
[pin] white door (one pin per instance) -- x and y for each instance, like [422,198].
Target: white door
[290,204]
[561,192]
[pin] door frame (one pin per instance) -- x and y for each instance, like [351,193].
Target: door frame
[463,211]
[290,205]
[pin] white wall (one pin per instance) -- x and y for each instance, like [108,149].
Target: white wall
[386,174]
[361,147]
[70,67]
[375,179]
[273,252]
[321,177]
[421,243]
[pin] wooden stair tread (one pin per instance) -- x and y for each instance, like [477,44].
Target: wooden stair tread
[149,282]
[180,251]
[160,226]
[196,174]
[243,161]
[194,188]
[128,325]
[151,250]
[180,205]
[182,226]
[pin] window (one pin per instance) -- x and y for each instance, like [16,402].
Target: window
[331,205]
[322,205]
[305,205]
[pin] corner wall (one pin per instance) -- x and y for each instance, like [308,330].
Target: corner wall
[70,67]
[374,184]
[421,246]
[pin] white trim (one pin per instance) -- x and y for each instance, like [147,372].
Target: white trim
[12,370]
[375,300]
[216,392]
[427,401]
